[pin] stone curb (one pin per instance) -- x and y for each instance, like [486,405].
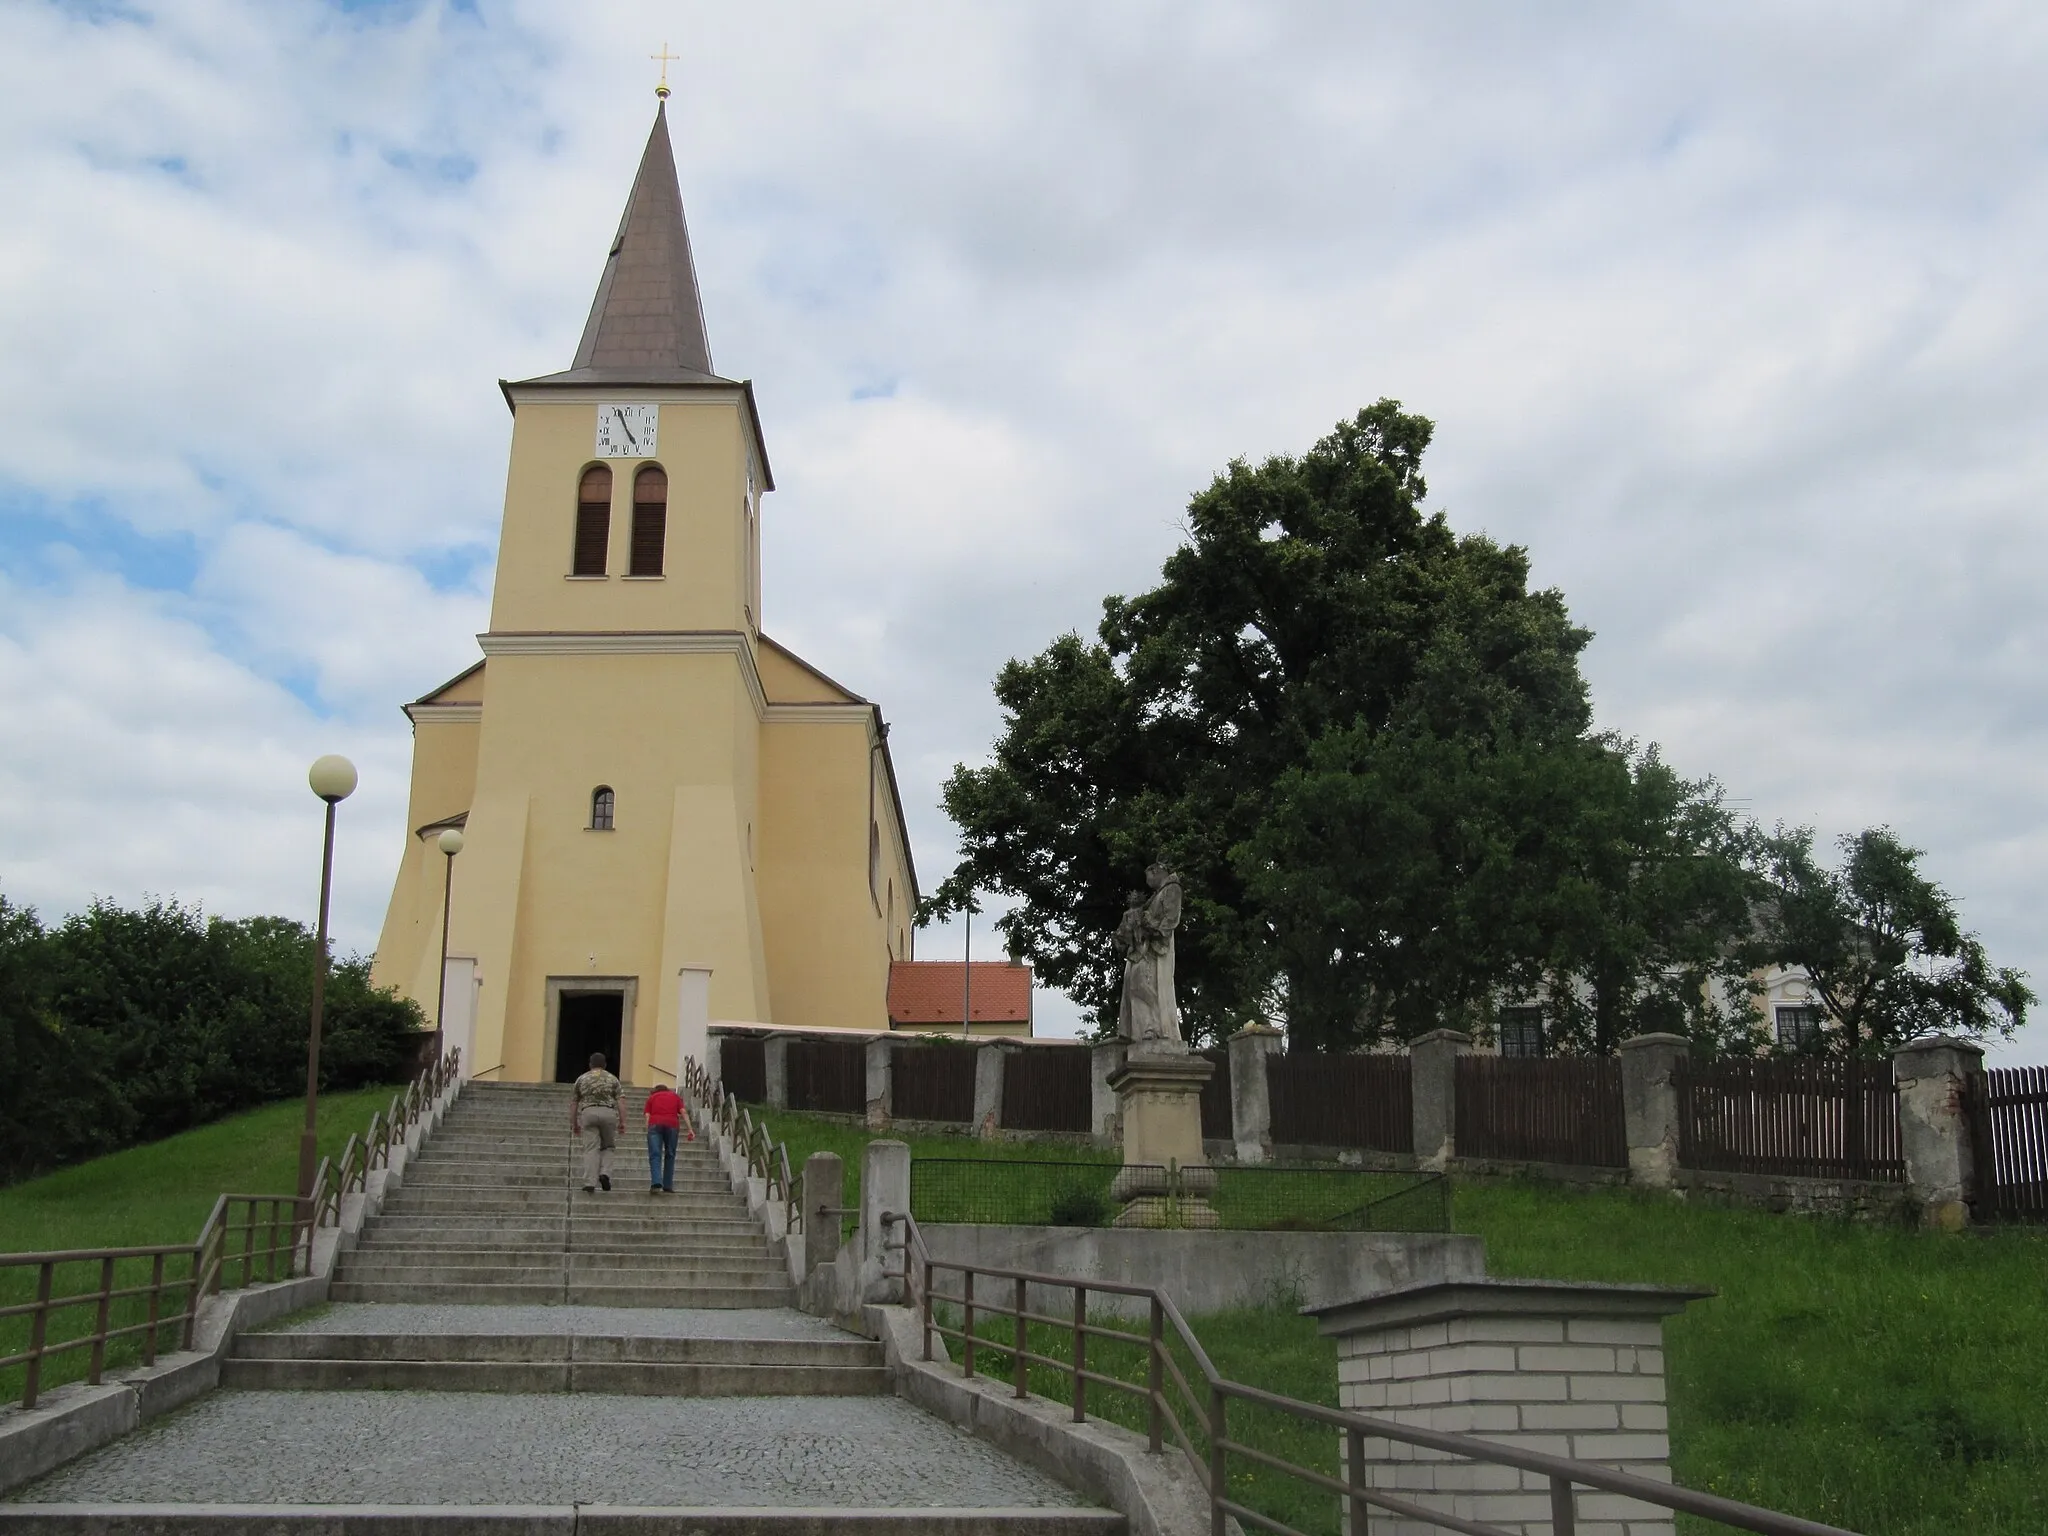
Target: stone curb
[78,1418]
[1158,1495]
[538,1520]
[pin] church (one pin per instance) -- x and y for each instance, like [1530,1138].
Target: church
[667,817]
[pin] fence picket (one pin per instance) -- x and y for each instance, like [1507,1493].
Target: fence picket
[2010,1113]
[1789,1118]
[1559,1110]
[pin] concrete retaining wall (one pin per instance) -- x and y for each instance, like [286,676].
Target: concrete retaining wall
[1213,1271]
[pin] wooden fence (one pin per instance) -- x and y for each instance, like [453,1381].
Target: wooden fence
[932,1082]
[743,1067]
[1217,1124]
[1341,1101]
[828,1075]
[2008,1108]
[1047,1088]
[1815,1119]
[1564,1110]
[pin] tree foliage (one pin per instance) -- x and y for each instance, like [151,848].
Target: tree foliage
[125,1025]
[1883,945]
[1347,726]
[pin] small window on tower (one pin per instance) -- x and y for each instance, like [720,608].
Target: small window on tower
[601,808]
[650,521]
[593,521]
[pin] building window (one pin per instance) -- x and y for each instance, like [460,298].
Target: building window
[1798,1027]
[593,521]
[1521,1032]
[601,808]
[650,521]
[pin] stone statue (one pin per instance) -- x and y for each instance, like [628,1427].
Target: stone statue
[1148,1016]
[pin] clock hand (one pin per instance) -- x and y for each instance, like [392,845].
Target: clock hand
[624,428]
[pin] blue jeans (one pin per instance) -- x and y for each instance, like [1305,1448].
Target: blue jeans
[661,1156]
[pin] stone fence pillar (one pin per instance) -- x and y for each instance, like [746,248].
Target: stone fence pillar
[988,1090]
[1103,1060]
[775,1067]
[884,1186]
[714,1067]
[1649,1106]
[1934,1131]
[1251,1105]
[881,1093]
[1433,1083]
[824,1185]
[1572,1369]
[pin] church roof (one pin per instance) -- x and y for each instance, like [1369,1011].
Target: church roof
[646,324]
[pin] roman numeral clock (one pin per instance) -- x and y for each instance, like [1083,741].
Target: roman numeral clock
[626,431]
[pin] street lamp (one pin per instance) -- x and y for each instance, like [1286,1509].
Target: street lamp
[333,779]
[450,843]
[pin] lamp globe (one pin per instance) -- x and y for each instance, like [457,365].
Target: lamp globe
[333,778]
[450,842]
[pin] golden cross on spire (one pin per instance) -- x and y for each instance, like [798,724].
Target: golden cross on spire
[664,58]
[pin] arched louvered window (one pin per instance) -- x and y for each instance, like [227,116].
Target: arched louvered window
[650,521]
[601,808]
[593,521]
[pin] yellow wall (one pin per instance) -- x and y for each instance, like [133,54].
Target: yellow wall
[745,782]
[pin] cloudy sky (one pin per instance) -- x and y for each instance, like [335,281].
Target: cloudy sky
[1732,314]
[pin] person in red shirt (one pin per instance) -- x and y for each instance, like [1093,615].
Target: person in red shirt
[664,1123]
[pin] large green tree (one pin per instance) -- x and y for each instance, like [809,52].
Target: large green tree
[1320,661]
[1883,945]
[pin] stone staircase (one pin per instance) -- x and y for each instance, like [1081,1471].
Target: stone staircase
[493,1210]
[504,1355]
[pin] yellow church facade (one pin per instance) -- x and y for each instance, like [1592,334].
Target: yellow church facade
[667,817]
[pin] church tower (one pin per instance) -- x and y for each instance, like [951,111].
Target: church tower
[667,817]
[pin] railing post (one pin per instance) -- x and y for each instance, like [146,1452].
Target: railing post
[1354,1475]
[1219,1474]
[1021,1368]
[967,1323]
[1564,1520]
[156,1293]
[926,1299]
[37,1330]
[99,1322]
[1155,1377]
[1080,1354]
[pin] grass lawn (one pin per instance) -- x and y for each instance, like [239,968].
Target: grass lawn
[159,1193]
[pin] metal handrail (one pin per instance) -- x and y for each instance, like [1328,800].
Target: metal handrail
[274,1233]
[920,1274]
[766,1159]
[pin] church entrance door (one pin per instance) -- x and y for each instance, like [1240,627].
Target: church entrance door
[589,1021]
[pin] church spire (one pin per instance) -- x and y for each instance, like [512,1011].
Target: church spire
[647,322]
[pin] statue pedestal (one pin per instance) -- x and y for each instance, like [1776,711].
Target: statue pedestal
[1166,1179]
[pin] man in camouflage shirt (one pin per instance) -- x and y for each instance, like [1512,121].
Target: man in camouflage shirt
[594,1115]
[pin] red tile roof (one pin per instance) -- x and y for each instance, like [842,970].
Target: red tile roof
[928,992]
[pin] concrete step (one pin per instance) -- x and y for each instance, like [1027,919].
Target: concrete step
[594,1268]
[559,1292]
[586,1240]
[540,1520]
[642,1379]
[557,1348]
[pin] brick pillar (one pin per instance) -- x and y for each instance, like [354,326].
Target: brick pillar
[1251,1106]
[1433,1068]
[1103,1060]
[880,1093]
[775,1059]
[1649,1106]
[1934,1132]
[988,1090]
[1572,1369]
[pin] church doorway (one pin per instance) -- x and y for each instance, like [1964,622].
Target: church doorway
[586,1014]
[591,1021]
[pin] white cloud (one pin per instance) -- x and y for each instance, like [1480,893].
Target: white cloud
[1729,314]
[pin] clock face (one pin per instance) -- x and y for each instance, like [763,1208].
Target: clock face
[626,431]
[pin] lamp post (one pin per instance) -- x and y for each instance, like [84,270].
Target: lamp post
[450,843]
[333,779]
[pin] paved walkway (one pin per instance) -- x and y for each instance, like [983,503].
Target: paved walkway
[366,1317]
[498,1449]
